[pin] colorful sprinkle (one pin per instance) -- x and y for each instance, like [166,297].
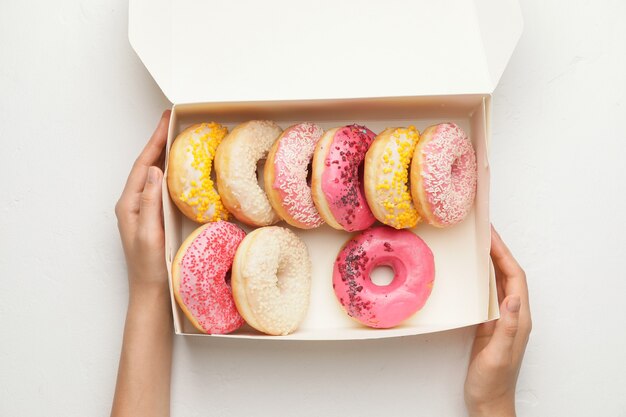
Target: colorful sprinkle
[449,174]
[392,187]
[201,194]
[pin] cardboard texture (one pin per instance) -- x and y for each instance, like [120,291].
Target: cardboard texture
[223,51]
[218,60]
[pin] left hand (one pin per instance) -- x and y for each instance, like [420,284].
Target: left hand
[139,215]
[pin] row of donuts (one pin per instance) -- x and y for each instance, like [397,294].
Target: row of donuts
[255,294]
[276,303]
[397,177]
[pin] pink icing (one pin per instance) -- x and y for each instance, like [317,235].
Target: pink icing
[203,269]
[342,181]
[449,174]
[291,161]
[384,306]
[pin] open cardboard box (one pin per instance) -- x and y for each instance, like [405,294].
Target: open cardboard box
[395,63]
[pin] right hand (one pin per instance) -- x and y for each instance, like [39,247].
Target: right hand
[499,345]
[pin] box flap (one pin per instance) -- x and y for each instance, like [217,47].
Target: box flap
[199,51]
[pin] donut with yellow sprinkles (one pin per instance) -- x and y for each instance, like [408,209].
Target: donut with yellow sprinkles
[386,177]
[190,172]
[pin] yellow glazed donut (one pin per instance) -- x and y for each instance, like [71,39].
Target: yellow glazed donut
[386,177]
[271,280]
[236,168]
[189,172]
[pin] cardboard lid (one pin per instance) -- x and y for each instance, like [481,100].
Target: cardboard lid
[211,51]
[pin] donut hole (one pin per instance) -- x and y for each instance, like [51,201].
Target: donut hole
[309,173]
[455,171]
[408,179]
[260,166]
[213,177]
[281,277]
[382,275]
[361,177]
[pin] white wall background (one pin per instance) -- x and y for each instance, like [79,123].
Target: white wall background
[76,106]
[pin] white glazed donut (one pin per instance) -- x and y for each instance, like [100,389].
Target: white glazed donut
[236,170]
[271,280]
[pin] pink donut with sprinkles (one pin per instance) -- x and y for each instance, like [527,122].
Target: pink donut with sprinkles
[443,175]
[383,306]
[285,175]
[337,181]
[199,277]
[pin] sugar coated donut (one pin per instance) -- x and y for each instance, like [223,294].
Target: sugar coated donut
[336,182]
[386,177]
[285,175]
[271,280]
[199,273]
[383,306]
[443,175]
[236,168]
[189,168]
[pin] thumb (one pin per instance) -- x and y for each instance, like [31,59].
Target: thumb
[150,206]
[500,347]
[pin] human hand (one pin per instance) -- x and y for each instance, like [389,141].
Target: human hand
[139,216]
[143,380]
[499,345]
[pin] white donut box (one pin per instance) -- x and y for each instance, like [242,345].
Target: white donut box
[381,64]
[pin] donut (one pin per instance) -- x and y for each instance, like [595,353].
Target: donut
[271,280]
[236,162]
[443,175]
[285,175]
[199,277]
[336,181]
[383,306]
[189,169]
[386,177]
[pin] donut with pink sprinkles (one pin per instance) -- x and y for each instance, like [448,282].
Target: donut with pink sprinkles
[443,175]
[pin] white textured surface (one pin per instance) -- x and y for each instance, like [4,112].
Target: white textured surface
[76,106]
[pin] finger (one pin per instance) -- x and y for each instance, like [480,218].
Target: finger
[150,207]
[501,255]
[510,276]
[484,331]
[149,156]
[161,160]
[500,347]
[499,283]
[126,211]
[154,148]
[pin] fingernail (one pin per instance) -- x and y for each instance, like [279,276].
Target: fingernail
[153,176]
[513,305]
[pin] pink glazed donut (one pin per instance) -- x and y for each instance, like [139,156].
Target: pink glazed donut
[337,180]
[383,306]
[443,175]
[199,273]
[285,175]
